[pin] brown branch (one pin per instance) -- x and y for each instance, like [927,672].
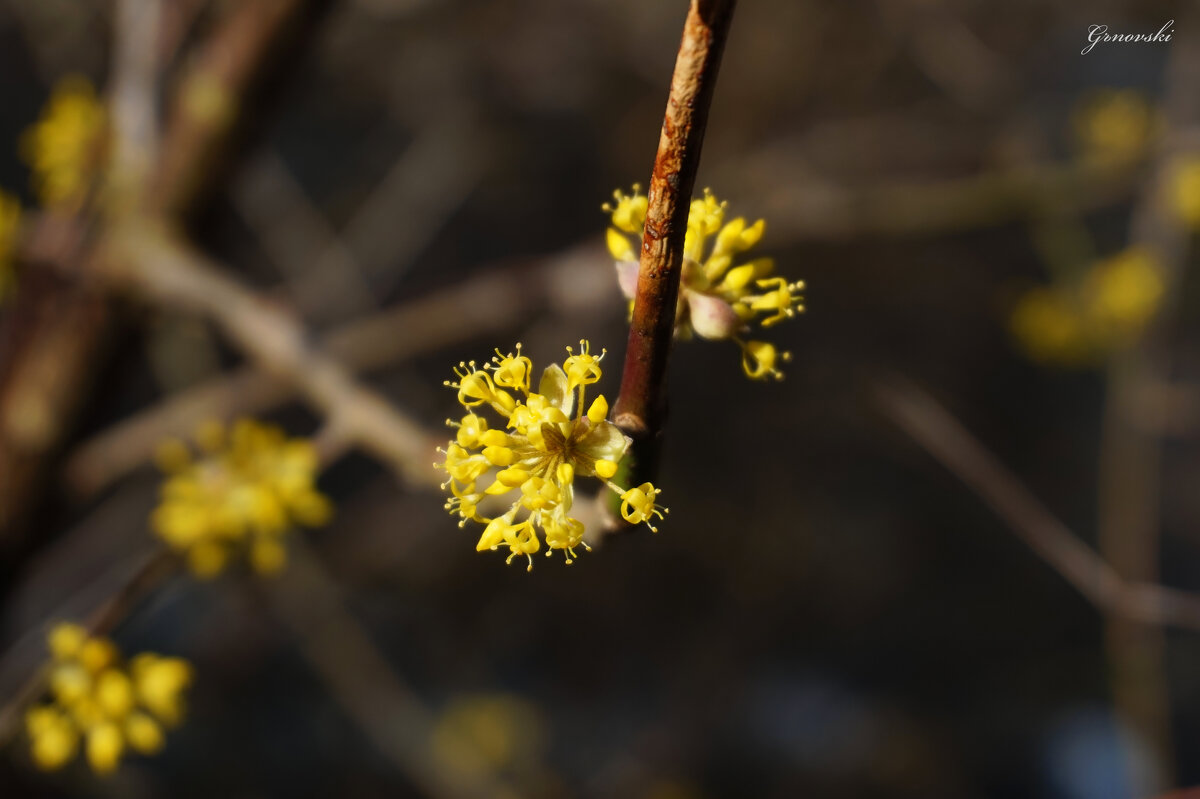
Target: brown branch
[150,261]
[204,116]
[49,357]
[1130,493]
[810,207]
[639,407]
[943,437]
[641,404]
[388,711]
[569,283]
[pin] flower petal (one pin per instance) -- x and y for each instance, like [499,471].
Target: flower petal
[605,441]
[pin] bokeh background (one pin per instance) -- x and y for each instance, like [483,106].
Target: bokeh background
[828,610]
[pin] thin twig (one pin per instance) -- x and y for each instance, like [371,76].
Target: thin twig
[567,283]
[55,346]
[1130,455]
[385,708]
[640,407]
[809,206]
[943,437]
[209,99]
[133,103]
[164,269]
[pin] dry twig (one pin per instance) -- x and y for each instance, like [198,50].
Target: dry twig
[163,269]
[943,437]
[1131,455]
[383,706]
[640,406]
[568,283]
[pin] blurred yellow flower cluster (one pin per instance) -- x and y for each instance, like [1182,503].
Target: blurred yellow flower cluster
[64,146]
[10,224]
[244,490]
[1115,126]
[548,440]
[108,704]
[718,297]
[1184,190]
[487,733]
[1106,311]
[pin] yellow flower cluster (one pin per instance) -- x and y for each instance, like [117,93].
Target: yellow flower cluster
[248,486]
[110,705]
[65,144]
[548,440]
[487,733]
[1079,325]
[10,224]
[719,298]
[1184,191]
[1115,126]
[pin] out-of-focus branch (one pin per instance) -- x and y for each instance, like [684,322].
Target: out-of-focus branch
[943,437]
[55,344]
[810,207]
[133,106]
[387,710]
[51,346]
[1131,456]
[208,99]
[156,265]
[639,407]
[568,283]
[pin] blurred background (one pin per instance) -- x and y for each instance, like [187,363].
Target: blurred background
[828,610]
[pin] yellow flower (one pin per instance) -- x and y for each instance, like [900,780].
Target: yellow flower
[1122,294]
[64,146]
[1115,126]
[549,438]
[1081,324]
[96,699]
[1184,191]
[487,733]
[1050,328]
[10,225]
[721,295]
[249,485]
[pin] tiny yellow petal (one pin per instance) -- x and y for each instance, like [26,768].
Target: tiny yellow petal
[114,693]
[54,744]
[97,654]
[66,640]
[144,733]
[598,411]
[268,555]
[104,747]
[619,246]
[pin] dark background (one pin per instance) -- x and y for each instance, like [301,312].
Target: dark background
[827,611]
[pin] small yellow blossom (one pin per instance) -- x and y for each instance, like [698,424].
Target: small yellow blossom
[65,145]
[487,733]
[549,438]
[1083,323]
[722,295]
[101,702]
[1050,328]
[1184,191]
[1115,126]
[1122,294]
[247,487]
[10,224]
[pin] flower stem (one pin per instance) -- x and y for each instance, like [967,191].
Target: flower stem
[641,406]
